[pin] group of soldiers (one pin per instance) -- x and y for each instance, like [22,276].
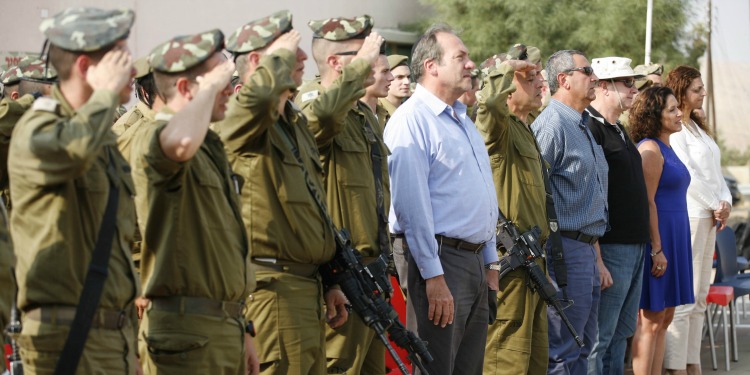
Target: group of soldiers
[215,199]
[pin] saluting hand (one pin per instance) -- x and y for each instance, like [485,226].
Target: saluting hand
[289,41]
[217,79]
[520,65]
[113,72]
[370,50]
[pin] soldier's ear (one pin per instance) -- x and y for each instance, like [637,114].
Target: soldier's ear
[253,59]
[81,65]
[14,95]
[334,63]
[182,86]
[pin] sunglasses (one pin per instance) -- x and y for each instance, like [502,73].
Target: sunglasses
[628,82]
[587,70]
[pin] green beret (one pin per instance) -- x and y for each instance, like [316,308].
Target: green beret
[34,69]
[259,33]
[397,60]
[339,29]
[142,67]
[645,70]
[185,52]
[87,29]
[12,76]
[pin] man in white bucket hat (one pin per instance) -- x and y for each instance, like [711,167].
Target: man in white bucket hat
[621,249]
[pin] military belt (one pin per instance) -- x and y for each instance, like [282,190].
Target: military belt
[450,242]
[64,315]
[198,306]
[578,236]
[275,265]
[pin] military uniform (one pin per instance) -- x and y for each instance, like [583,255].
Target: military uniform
[387,106]
[517,340]
[288,235]
[195,256]
[346,131]
[62,161]
[393,62]
[7,280]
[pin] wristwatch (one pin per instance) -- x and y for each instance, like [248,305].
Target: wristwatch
[250,328]
[492,266]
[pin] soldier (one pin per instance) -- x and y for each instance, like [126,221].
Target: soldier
[379,90]
[400,87]
[194,255]
[517,339]
[353,153]
[269,145]
[652,72]
[10,80]
[35,80]
[129,123]
[63,169]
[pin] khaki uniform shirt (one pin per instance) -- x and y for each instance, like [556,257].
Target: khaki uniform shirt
[282,218]
[130,123]
[10,112]
[514,155]
[388,106]
[7,263]
[189,215]
[60,185]
[383,116]
[337,119]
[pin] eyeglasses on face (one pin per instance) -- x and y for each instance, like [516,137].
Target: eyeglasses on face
[628,82]
[587,70]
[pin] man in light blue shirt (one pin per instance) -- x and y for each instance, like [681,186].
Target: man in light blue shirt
[578,178]
[443,207]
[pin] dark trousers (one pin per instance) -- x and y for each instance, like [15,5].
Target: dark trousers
[459,347]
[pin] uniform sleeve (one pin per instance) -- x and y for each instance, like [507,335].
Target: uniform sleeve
[150,156]
[326,112]
[64,148]
[255,108]
[493,113]
[699,189]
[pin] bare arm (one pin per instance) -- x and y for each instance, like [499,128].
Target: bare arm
[653,164]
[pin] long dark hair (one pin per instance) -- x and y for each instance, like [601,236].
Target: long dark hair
[679,80]
[645,115]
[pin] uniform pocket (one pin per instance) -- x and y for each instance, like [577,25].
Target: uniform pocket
[171,347]
[264,308]
[530,164]
[349,163]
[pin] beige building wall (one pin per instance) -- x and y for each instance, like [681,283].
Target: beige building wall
[158,20]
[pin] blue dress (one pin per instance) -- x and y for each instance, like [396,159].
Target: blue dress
[675,287]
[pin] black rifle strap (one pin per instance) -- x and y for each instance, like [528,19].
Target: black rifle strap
[555,239]
[377,172]
[94,283]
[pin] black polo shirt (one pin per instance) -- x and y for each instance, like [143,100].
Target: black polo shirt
[627,198]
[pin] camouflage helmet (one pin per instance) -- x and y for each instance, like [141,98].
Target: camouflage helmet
[11,76]
[185,52]
[645,70]
[398,60]
[142,67]
[87,29]
[339,29]
[259,33]
[524,52]
[36,70]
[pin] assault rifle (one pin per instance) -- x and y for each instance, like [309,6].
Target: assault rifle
[367,287]
[521,251]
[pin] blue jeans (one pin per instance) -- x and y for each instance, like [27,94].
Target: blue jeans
[618,307]
[565,357]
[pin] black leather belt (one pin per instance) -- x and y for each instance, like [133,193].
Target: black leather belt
[450,242]
[578,236]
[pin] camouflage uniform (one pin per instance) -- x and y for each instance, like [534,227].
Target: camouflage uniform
[61,164]
[346,131]
[517,339]
[195,257]
[287,233]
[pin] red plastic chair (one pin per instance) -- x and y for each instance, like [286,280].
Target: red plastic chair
[722,297]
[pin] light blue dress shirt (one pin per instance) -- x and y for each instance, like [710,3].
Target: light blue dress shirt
[578,172]
[441,180]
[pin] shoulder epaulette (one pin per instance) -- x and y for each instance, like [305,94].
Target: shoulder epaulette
[161,116]
[45,104]
[310,95]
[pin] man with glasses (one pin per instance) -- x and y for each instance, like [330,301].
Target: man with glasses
[621,249]
[578,179]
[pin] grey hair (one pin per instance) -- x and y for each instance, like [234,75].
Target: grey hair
[559,62]
[427,48]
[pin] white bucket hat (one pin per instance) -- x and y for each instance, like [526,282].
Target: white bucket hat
[614,67]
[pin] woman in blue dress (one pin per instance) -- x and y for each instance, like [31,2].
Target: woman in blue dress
[668,271]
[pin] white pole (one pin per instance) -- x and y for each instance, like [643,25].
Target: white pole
[649,16]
